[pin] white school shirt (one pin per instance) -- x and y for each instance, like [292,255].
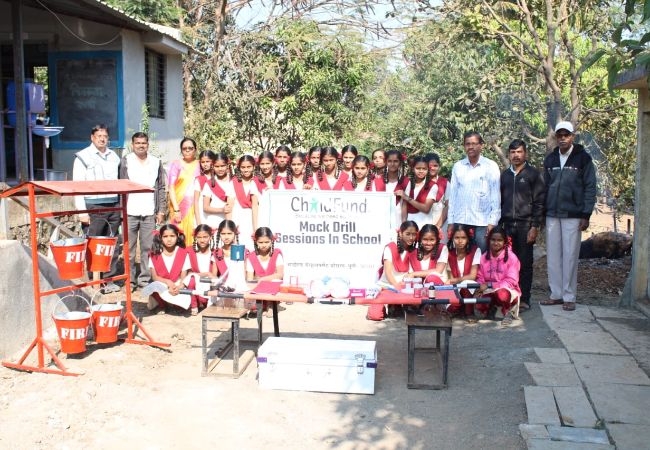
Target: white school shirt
[214,219]
[396,218]
[388,255]
[361,187]
[419,217]
[443,258]
[461,263]
[204,261]
[169,262]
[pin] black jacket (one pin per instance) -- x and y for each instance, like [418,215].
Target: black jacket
[522,197]
[571,191]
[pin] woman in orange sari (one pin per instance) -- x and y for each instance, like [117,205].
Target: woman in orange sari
[182,173]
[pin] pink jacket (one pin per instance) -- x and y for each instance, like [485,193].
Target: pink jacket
[501,274]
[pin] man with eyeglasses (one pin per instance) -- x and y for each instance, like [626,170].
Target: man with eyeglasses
[570,179]
[98,162]
[474,191]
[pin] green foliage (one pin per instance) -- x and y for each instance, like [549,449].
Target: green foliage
[162,12]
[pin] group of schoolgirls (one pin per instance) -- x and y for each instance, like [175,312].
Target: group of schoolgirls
[209,257]
[220,195]
[419,253]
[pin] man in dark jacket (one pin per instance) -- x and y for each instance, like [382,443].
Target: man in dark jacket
[522,212]
[145,210]
[570,179]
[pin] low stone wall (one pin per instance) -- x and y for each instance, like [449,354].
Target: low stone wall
[17,313]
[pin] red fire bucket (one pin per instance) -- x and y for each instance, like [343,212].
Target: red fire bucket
[100,251]
[69,256]
[72,327]
[106,321]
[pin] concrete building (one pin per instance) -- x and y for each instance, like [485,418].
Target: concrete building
[98,65]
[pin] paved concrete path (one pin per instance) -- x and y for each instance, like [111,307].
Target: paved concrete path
[594,393]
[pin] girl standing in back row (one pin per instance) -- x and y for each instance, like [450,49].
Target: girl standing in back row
[245,201]
[330,176]
[216,192]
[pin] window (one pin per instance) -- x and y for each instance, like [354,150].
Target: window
[155,74]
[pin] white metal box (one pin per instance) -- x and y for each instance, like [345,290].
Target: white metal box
[319,365]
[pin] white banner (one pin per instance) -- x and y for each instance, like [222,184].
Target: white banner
[331,233]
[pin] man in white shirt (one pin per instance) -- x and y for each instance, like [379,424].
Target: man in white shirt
[145,210]
[474,191]
[98,162]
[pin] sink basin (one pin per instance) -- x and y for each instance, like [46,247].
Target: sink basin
[40,130]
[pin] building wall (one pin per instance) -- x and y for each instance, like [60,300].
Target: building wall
[41,27]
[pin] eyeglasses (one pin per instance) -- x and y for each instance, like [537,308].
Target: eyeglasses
[188,149]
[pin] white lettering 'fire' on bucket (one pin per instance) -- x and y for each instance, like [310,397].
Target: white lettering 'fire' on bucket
[109,322]
[75,256]
[106,250]
[73,333]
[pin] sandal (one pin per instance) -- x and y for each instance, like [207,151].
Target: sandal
[569,306]
[552,301]
[507,319]
[524,306]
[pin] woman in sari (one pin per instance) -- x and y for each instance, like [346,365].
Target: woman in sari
[182,173]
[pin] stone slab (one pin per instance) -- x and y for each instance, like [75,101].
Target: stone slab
[629,437]
[575,409]
[553,355]
[609,369]
[600,312]
[598,342]
[540,405]
[557,319]
[533,431]
[620,402]
[587,435]
[635,338]
[553,374]
[545,444]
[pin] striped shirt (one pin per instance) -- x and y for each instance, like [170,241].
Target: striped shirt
[474,193]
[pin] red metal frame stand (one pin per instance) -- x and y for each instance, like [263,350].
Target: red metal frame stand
[62,188]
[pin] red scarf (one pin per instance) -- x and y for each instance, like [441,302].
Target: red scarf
[433,261]
[202,179]
[453,262]
[325,186]
[401,265]
[243,199]
[177,266]
[218,191]
[257,265]
[380,186]
[222,266]
[348,186]
[399,187]
[194,261]
[442,186]
[421,198]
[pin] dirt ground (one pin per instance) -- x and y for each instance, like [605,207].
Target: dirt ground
[137,395]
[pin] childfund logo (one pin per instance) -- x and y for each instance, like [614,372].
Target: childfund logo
[331,205]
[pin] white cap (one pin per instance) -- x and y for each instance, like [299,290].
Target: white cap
[564,126]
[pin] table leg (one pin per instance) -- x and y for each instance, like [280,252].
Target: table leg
[445,359]
[276,325]
[204,339]
[259,321]
[235,351]
[411,354]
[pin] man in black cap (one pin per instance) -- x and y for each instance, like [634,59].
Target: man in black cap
[570,179]
[522,212]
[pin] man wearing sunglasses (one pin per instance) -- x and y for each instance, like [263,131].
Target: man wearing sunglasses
[570,179]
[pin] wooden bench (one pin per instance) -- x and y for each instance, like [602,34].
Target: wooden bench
[429,318]
[228,313]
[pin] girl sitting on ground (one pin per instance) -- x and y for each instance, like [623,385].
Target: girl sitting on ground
[266,262]
[499,266]
[429,262]
[202,262]
[168,261]
[463,261]
[227,233]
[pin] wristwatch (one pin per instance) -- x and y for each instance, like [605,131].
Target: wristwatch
[408,199]
[177,210]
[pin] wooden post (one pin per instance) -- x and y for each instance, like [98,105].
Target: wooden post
[19,80]
[638,280]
